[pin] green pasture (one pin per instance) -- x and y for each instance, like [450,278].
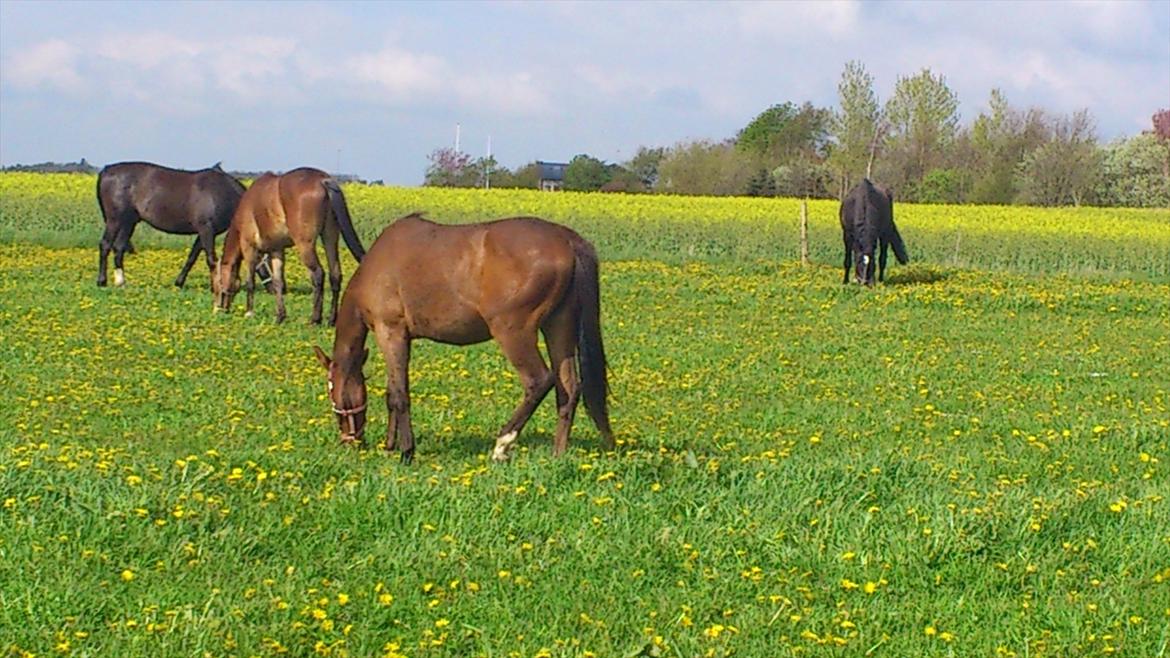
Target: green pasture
[61,210]
[970,460]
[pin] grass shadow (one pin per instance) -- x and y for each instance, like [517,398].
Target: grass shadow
[917,275]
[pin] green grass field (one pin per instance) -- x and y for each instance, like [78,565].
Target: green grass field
[968,461]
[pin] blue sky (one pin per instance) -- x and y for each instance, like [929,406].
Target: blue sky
[375,87]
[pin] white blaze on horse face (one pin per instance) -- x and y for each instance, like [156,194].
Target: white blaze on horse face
[504,447]
[119,277]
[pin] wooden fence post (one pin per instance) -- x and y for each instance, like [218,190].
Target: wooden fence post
[804,232]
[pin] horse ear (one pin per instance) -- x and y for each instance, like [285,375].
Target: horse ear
[321,358]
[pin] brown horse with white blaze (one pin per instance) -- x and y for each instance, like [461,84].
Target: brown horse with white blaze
[277,212]
[504,280]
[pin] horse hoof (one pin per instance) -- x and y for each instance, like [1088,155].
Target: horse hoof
[249,314]
[407,457]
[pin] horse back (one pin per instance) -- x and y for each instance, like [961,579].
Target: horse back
[458,284]
[172,200]
[866,212]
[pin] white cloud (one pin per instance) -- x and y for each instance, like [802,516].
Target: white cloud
[256,69]
[403,78]
[147,51]
[398,75]
[50,64]
[798,20]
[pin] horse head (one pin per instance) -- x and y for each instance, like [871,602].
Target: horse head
[225,283]
[863,265]
[346,386]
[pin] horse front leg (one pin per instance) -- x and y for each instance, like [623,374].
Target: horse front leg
[848,261]
[250,284]
[395,348]
[882,261]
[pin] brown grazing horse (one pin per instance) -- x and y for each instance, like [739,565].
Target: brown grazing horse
[171,200]
[506,280]
[282,211]
[867,223]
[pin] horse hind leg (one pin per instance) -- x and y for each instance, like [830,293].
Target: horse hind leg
[308,254]
[329,237]
[121,246]
[104,247]
[560,336]
[191,257]
[276,260]
[520,349]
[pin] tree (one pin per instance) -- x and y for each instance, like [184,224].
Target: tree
[1161,125]
[622,180]
[1133,173]
[994,139]
[761,184]
[923,116]
[527,177]
[784,132]
[645,163]
[449,168]
[1063,170]
[803,178]
[706,167]
[585,173]
[856,126]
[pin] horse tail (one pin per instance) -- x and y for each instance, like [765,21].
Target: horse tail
[590,349]
[895,240]
[101,206]
[344,223]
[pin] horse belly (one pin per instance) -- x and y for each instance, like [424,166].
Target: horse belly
[459,326]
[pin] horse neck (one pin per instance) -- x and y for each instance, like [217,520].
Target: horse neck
[349,339]
[232,254]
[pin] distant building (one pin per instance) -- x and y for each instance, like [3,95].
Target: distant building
[552,175]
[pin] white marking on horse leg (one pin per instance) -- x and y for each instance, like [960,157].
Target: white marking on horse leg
[119,277]
[249,314]
[503,448]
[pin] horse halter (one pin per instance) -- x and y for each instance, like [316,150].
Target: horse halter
[348,417]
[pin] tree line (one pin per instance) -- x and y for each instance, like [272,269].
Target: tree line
[914,143]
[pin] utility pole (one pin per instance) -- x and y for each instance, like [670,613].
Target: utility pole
[487,166]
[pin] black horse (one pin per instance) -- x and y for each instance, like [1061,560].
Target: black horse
[171,200]
[867,221]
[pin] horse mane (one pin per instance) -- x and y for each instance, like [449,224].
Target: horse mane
[416,214]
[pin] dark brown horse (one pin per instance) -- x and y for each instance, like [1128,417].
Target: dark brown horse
[171,200]
[504,280]
[867,222]
[290,210]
